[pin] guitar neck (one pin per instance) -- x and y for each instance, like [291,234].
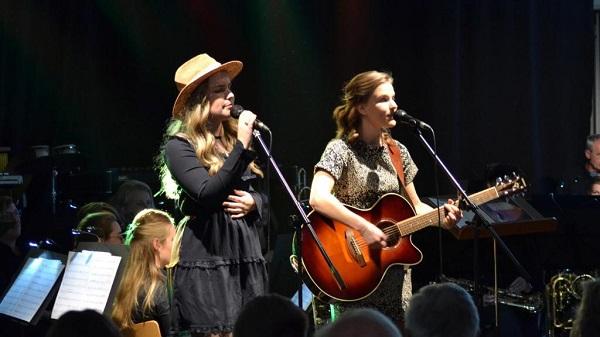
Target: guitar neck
[418,222]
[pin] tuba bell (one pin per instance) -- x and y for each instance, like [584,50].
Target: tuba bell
[563,295]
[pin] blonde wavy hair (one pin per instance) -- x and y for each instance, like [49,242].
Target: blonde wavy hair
[141,274]
[194,127]
[356,92]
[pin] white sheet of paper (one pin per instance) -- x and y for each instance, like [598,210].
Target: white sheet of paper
[87,282]
[31,287]
[307,297]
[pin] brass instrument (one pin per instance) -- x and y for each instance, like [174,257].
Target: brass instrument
[563,294]
[531,303]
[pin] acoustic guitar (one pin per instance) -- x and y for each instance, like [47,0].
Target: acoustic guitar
[362,267]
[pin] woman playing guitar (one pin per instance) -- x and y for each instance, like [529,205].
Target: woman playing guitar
[357,169]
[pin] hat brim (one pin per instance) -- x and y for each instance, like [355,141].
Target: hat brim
[232,68]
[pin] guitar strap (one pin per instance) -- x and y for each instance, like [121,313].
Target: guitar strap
[396,160]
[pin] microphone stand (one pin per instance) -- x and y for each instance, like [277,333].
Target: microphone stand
[336,275]
[482,220]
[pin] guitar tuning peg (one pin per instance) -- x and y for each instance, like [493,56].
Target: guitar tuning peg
[498,181]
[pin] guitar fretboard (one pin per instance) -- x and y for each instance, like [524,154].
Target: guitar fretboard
[411,225]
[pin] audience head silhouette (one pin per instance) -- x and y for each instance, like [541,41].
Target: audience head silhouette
[586,320]
[443,309]
[271,316]
[86,323]
[364,322]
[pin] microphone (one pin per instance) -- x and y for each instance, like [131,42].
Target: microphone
[405,118]
[237,110]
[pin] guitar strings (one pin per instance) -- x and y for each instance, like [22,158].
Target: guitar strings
[396,228]
[393,229]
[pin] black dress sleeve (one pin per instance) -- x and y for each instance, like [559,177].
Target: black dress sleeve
[261,216]
[205,190]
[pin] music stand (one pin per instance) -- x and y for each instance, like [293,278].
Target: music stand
[524,227]
[114,249]
[33,287]
[535,224]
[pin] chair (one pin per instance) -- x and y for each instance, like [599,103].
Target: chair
[144,329]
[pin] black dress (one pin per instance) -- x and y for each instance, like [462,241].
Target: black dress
[221,266]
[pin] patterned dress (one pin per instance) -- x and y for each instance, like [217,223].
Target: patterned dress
[362,175]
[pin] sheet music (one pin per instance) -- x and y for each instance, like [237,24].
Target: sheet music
[31,287]
[87,282]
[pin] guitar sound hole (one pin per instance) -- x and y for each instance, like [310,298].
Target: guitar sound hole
[389,228]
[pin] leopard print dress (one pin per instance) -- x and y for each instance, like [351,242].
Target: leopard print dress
[362,175]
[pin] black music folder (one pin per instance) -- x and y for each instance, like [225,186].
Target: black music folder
[34,286]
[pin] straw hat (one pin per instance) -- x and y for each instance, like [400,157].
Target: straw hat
[193,72]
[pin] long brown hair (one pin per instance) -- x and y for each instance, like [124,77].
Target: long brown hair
[193,127]
[141,272]
[356,92]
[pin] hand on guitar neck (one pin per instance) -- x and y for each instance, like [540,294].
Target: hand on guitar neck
[452,214]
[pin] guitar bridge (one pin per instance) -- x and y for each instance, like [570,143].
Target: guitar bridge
[354,249]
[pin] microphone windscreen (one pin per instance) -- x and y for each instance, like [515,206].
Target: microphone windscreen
[400,113]
[236,111]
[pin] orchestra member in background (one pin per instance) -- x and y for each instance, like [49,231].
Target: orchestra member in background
[207,165]
[356,169]
[131,197]
[595,187]
[142,293]
[98,206]
[99,227]
[592,154]
[10,230]
[580,182]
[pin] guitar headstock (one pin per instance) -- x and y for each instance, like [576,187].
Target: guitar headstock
[508,186]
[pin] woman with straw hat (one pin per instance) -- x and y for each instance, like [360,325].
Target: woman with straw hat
[206,164]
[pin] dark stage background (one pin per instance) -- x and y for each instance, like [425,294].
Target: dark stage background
[500,81]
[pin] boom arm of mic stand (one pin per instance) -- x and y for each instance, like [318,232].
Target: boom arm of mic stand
[336,275]
[471,206]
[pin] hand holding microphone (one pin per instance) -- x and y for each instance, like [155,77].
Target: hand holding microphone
[237,110]
[244,128]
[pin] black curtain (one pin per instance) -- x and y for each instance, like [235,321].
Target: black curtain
[500,81]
